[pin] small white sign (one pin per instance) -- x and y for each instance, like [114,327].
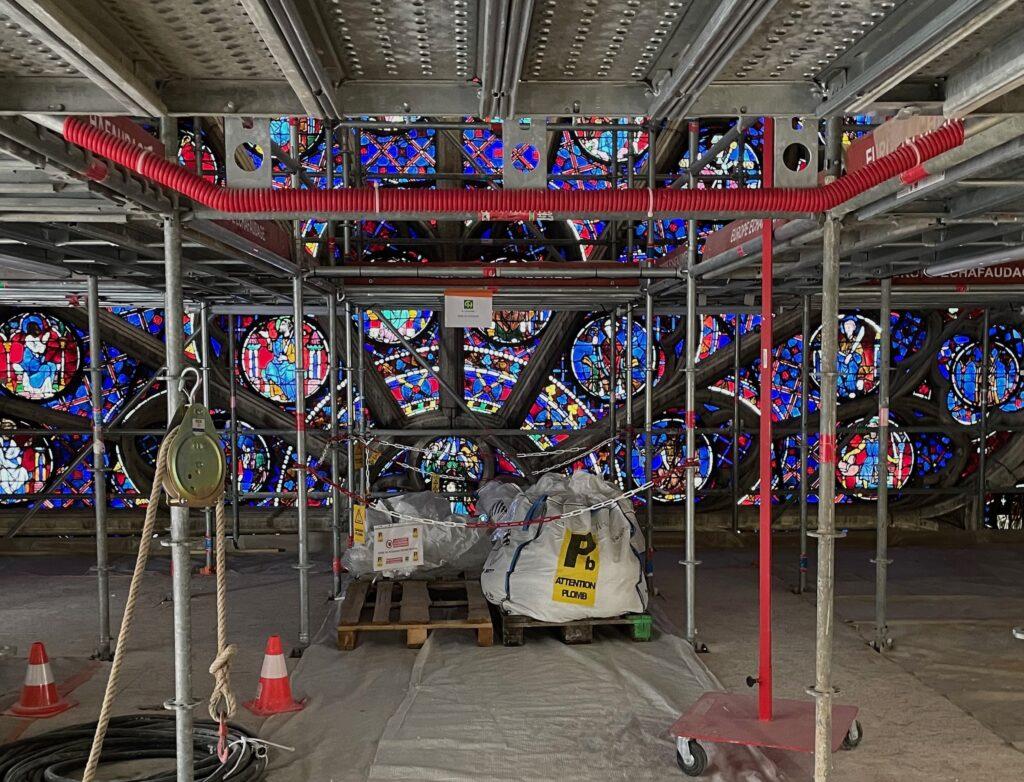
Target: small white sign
[464,308]
[397,546]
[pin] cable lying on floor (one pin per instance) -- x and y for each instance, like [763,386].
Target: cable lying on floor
[60,755]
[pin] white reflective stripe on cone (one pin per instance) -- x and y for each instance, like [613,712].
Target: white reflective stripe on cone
[38,675]
[274,667]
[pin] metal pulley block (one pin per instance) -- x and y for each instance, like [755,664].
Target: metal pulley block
[195,460]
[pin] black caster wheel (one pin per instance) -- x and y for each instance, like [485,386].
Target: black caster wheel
[853,736]
[697,762]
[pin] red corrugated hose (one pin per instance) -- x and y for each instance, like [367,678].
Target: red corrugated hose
[508,204]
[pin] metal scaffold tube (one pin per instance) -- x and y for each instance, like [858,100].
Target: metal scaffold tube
[204,357]
[350,413]
[826,532]
[301,460]
[881,560]
[99,475]
[692,463]
[181,577]
[649,369]
[805,446]
[764,526]
[333,375]
[233,433]
[986,368]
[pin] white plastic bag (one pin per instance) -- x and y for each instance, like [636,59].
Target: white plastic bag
[447,550]
[581,567]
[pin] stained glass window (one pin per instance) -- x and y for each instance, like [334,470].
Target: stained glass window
[459,458]
[26,463]
[592,358]
[960,361]
[415,389]
[730,164]
[410,324]
[858,460]
[611,144]
[483,151]
[210,167]
[668,461]
[857,359]
[40,356]
[398,151]
[268,358]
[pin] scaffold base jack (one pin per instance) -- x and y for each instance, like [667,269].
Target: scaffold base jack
[732,718]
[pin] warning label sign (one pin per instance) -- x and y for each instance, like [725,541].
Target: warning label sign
[359,524]
[576,576]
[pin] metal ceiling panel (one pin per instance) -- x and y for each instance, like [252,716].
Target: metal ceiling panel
[409,40]
[599,40]
[199,40]
[800,37]
[22,55]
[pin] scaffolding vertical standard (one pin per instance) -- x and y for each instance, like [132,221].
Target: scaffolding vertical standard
[301,460]
[762,720]
[333,376]
[881,560]
[692,342]
[983,395]
[805,445]
[233,431]
[764,400]
[181,576]
[350,413]
[99,473]
[649,370]
[204,358]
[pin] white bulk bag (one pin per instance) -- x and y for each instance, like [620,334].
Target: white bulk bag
[447,549]
[582,567]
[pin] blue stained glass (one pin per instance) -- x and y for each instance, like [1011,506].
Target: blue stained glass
[857,359]
[399,151]
[592,358]
[483,151]
[668,460]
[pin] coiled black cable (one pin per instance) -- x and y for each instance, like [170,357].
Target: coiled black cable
[60,755]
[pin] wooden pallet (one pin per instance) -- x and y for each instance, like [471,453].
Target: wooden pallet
[415,608]
[513,627]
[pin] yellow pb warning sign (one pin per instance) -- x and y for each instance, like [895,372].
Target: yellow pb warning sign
[576,576]
[359,524]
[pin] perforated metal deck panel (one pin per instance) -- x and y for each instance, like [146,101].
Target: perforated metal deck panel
[800,37]
[451,58]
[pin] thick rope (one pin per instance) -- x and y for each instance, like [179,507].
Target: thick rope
[221,666]
[129,612]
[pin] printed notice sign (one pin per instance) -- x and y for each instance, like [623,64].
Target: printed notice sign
[576,575]
[397,546]
[464,308]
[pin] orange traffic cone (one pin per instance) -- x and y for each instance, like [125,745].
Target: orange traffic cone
[39,696]
[274,693]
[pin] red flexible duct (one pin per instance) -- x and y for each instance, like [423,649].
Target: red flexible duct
[514,204]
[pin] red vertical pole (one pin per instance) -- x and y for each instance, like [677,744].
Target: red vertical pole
[764,673]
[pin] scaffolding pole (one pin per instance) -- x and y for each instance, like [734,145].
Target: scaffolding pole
[204,358]
[99,474]
[979,516]
[805,446]
[333,376]
[649,369]
[881,560]
[612,334]
[692,463]
[350,411]
[233,432]
[826,532]
[301,461]
[181,575]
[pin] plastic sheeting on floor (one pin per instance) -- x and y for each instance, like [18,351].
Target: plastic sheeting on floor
[452,711]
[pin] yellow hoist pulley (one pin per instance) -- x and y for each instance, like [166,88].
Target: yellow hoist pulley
[195,460]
